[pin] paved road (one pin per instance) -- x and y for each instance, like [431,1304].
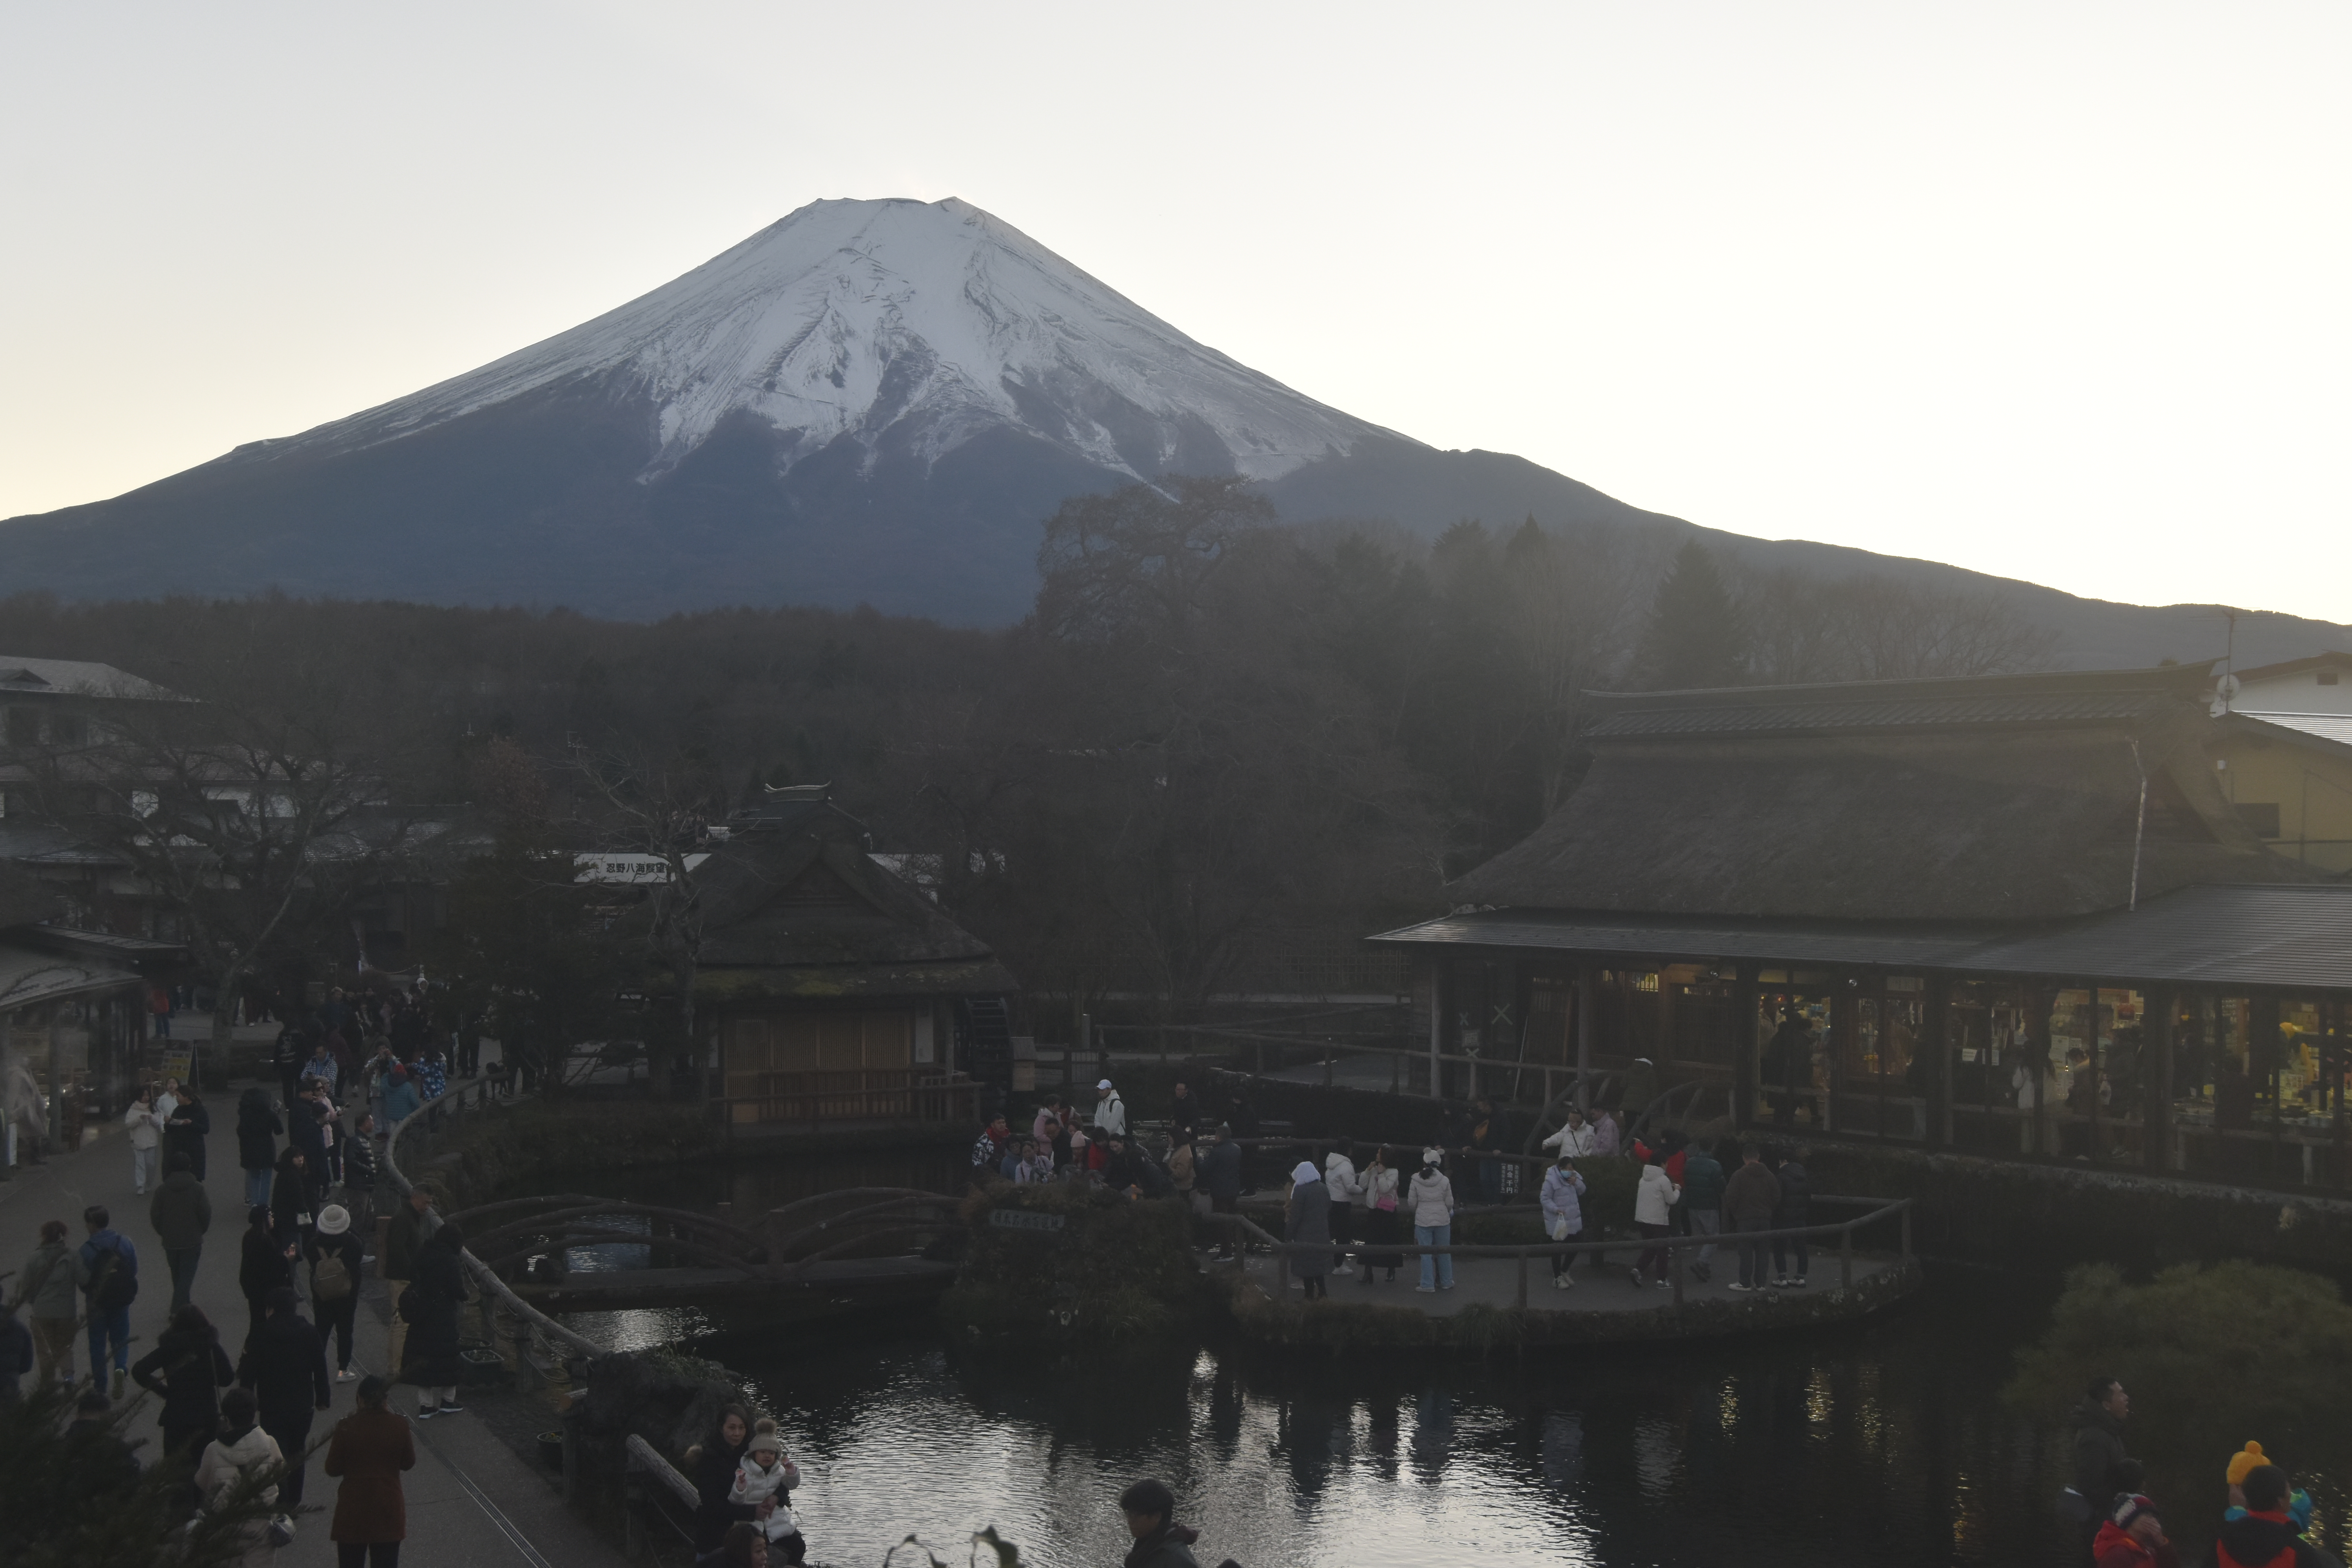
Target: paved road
[472,1502]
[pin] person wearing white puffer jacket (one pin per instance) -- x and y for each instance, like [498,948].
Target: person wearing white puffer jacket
[1431,1198]
[1654,1203]
[1347,1204]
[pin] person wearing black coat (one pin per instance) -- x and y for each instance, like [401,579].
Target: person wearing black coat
[257,1128]
[266,1264]
[188,1369]
[290,1199]
[1795,1208]
[184,1133]
[432,1350]
[712,1464]
[286,1366]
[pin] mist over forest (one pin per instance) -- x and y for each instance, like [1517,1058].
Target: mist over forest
[1215,741]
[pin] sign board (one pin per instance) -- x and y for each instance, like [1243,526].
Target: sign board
[1023,1219]
[179,1061]
[629,869]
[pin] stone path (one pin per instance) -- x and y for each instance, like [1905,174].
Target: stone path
[473,1502]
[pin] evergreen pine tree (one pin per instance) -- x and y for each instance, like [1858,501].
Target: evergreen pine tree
[1695,637]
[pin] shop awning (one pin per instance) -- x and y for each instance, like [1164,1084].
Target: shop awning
[2285,936]
[32,978]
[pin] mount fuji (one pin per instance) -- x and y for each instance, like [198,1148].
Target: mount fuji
[866,402]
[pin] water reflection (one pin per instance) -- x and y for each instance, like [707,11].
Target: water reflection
[1880,1443]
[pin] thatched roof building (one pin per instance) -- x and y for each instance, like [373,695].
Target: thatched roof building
[2005,798]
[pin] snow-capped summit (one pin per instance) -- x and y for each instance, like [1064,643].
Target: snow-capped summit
[903,326]
[871,402]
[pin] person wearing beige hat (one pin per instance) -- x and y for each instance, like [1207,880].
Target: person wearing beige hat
[333,1247]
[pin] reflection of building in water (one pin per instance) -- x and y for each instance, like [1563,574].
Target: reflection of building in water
[2013,915]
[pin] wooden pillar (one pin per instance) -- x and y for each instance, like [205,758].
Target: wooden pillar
[1665,1047]
[2096,1052]
[2333,1013]
[1936,1035]
[2158,1112]
[1588,975]
[2040,1000]
[1436,1027]
[57,1079]
[1743,1046]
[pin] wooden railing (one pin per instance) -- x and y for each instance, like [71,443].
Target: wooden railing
[869,1094]
[536,1323]
[1875,1210]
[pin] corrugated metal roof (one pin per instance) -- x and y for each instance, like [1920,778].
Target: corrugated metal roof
[1777,941]
[2336,727]
[2293,936]
[76,677]
[1779,718]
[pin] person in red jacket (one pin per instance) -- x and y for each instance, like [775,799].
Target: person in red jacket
[2131,1537]
[2266,1537]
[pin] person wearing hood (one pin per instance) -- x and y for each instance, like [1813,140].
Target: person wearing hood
[186,1128]
[333,1249]
[1562,1201]
[1308,1221]
[2130,1537]
[145,1126]
[1346,1202]
[286,1366]
[264,1264]
[1159,1541]
[47,1283]
[257,1128]
[180,1212]
[1431,1199]
[2265,1535]
[1608,1134]
[2098,1446]
[187,1369]
[240,1451]
[1703,1183]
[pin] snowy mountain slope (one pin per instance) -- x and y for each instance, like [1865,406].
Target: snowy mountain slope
[898,323]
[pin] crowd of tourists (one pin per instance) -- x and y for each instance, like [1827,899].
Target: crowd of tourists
[232,1405]
[1366,1214]
[2265,1522]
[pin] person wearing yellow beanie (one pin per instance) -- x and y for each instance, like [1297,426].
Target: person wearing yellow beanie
[2243,1463]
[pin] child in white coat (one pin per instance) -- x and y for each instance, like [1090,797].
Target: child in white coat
[764,1477]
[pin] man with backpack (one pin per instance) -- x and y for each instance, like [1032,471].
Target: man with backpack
[333,1247]
[112,1265]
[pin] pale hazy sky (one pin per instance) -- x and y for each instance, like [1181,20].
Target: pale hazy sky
[2062,291]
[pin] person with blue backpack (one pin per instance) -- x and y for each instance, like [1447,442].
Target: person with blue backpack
[110,1264]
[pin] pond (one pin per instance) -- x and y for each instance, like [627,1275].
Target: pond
[1881,1442]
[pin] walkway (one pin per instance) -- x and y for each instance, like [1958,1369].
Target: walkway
[473,1502]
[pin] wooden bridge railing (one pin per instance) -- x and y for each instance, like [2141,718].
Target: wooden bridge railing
[1875,1210]
[876,1094]
[536,1322]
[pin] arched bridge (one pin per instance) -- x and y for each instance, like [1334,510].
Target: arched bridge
[854,1250]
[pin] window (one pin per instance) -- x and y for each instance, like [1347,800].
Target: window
[24,726]
[2263,817]
[2327,677]
[68,729]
